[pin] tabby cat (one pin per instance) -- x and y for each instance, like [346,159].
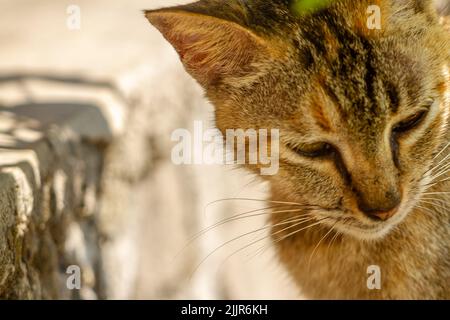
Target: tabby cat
[363,115]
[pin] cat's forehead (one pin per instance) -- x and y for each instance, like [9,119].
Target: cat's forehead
[357,91]
[367,78]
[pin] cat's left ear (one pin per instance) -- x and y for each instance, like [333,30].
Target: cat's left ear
[210,47]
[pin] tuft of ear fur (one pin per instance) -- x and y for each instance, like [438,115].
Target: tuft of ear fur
[210,47]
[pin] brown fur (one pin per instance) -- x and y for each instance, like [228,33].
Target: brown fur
[325,77]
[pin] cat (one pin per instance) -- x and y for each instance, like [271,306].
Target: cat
[363,115]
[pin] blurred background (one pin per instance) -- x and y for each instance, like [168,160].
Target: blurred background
[90,94]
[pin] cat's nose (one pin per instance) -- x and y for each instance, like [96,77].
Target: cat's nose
[383,209]
[381,212]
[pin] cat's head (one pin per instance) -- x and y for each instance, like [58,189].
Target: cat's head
[361,99]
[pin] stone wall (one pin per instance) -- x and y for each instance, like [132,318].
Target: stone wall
[52,154]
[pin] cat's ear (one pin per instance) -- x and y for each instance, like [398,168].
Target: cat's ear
[210,47]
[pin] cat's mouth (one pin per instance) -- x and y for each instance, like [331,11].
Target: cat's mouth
[346,222]
[364,232]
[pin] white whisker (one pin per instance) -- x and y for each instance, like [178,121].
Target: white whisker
[442,150]
[298,222]
[318,244]
[271,235]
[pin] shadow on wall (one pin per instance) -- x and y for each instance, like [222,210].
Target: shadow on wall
[33,119]
[51,160]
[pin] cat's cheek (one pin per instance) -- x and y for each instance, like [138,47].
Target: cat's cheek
[306,185]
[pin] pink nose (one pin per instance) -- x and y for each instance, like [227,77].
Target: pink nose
[383,215]
[380,209]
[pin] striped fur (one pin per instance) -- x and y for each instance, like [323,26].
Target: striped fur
[325,77]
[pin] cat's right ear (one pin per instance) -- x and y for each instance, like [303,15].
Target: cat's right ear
[211,48]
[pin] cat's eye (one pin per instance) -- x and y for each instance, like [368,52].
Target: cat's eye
[411,122]
[313,150]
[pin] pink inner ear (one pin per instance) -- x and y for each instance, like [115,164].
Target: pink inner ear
[184,42]
[208,47]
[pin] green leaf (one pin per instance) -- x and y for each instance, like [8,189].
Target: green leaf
[309,6]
